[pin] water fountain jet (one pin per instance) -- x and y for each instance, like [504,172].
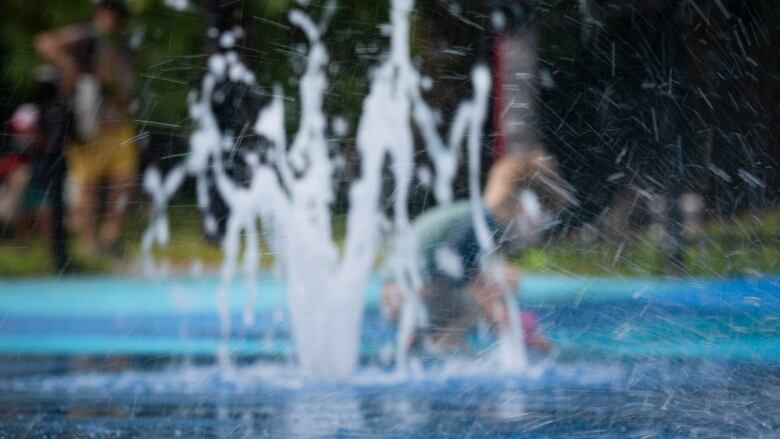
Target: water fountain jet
[292,191]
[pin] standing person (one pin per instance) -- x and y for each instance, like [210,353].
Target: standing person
[96,76]
[524,195]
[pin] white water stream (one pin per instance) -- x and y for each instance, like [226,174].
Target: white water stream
[292,193]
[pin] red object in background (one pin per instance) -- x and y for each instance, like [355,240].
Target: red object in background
[10,163]
[24,121]
[532,338]
[499,97]
[530,323]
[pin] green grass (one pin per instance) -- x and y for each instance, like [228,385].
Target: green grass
[24,260]
[187,242]
[34,259]
[187,245]
[747,245]
[744,246]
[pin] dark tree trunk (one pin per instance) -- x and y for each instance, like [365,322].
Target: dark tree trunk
[59,120]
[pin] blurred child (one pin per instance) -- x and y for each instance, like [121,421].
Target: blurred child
[524,194]
[95,71]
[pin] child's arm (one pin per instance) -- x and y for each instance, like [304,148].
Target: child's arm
[53,45]
[489,291]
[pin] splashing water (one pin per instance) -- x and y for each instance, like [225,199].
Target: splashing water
[291,192]
[512,355]
[160,191]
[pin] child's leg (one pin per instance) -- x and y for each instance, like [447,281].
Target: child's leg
[84,215]
[489,292]
[392,301]
[118,199]
[85,166]
[121,171]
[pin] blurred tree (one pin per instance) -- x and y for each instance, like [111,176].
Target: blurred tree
[732,62]
[604,108]
[601,62]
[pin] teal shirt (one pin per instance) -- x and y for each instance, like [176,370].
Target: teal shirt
[448,247]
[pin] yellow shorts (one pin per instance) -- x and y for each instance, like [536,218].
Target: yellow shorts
[112,155]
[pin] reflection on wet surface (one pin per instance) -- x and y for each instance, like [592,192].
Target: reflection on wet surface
[690,362]
[667,398]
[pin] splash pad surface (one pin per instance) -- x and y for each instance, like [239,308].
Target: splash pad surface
[130,356]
